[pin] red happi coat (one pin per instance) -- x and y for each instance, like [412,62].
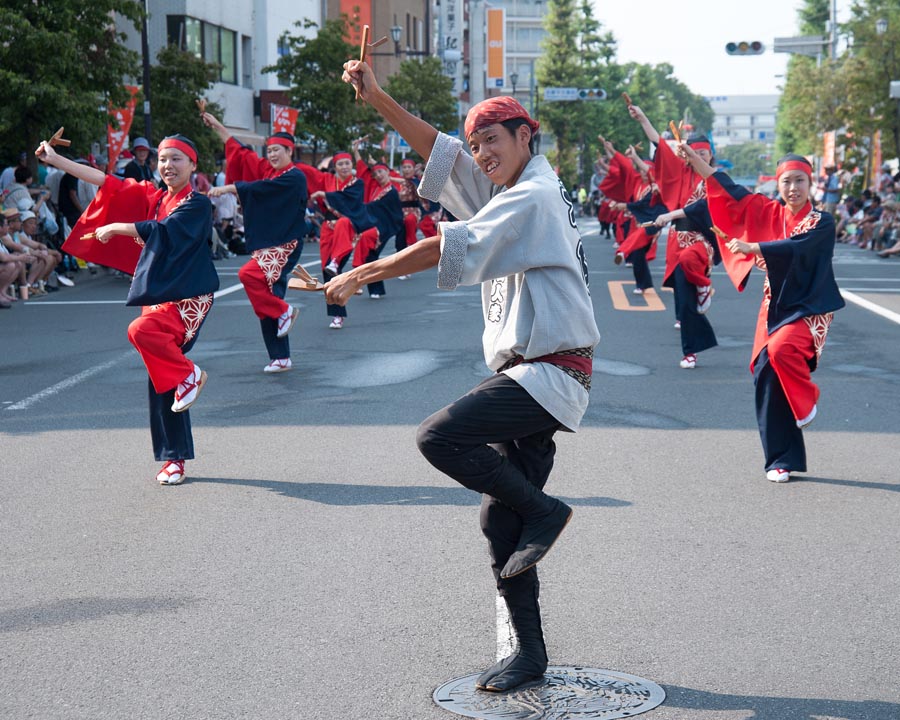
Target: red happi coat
[796,255]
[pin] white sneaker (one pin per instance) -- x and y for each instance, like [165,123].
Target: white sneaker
[403,277]
[286,321]
[277,366]
[172,473]
[336,323]
[688,362]
[375,296]
[677,325]
[63,280]
[704,298]
[637,291]
[778,475]
[809,418]
[332,267]
[188,390]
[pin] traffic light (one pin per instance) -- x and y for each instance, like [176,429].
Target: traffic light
[745,48]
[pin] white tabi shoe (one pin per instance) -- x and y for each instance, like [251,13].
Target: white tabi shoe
[809,418]
[677,325]
[688,362]
[336,323]
[332,267]
[375,296]
[286,321]
[778,475]
[172,473]
[277,366]
[188,390]
[637,291]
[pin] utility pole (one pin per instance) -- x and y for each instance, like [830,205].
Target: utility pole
[145,52]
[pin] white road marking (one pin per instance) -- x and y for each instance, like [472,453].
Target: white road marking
[869,305]
[506,637]
[67,383]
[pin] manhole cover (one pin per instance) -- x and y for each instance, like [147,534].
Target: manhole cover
[566,693]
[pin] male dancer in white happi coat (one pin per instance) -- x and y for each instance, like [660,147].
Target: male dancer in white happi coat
[517,238]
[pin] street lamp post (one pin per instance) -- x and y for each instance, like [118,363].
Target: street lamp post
[514,79]
[396,32]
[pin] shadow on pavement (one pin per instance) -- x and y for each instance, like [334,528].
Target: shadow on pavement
[781,708]
[893,487]
[75,610]
[347,494]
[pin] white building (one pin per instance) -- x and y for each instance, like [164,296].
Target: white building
[240,35]
[744,118]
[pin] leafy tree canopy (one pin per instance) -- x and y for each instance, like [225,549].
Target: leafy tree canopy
[61,62]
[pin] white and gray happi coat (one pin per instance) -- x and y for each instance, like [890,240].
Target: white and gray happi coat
[522,244]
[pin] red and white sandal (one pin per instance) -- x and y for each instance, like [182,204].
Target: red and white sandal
[704,298]
[172,473]
[188,390]
[286,321]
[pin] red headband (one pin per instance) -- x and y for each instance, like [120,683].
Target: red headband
[179,145]
[407,161]
[789,165]
[381,165]
[342,156]
[497,110]
[701,146]
[284,142]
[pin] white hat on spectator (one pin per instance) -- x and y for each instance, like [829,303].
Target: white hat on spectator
[140,142]
[27,215]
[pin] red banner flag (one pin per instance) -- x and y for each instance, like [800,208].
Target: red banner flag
[284,119]
[116,136]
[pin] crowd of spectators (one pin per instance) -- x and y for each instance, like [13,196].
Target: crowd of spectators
[870,221]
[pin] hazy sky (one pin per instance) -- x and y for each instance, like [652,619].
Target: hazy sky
[692,35]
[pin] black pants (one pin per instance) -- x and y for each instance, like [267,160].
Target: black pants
[641,268]
[697,334]
[782,440]
[495,428]
[279,347]
[170,432]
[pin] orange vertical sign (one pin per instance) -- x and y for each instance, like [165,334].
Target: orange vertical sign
[359,13]
[828,141]
[496,46]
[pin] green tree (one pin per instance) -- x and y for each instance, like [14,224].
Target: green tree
[177,81]
[422,88]
[61,62]
[560,66]
[748,159]
[329,117]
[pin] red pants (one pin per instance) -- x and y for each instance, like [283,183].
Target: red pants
[694,260]
[158,335]
[259,290]
[790,349]
[368,241]
[428,226]
[410,223]
[336,240]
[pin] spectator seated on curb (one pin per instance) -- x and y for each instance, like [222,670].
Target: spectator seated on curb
[13,265]
[50,258]
[31,266]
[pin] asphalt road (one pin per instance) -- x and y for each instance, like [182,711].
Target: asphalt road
[314,566]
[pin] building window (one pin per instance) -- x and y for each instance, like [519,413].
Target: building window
[211,43]
[284,50]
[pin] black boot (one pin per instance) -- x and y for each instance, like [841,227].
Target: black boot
[543,520]
[529,661]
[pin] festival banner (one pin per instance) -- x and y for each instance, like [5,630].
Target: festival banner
[496,47]
[828,141]
[116,135]
[284,118]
